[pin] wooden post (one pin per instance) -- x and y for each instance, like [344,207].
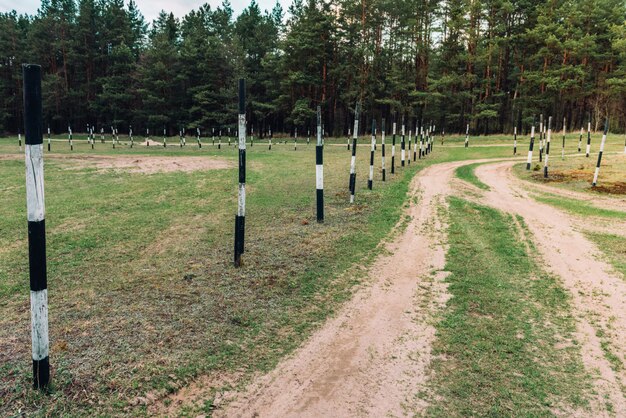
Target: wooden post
[548,139]
[370,180]
[606,131]
[402,144]
[35,208]
[383,148]
[530,147]
[353,158]
[393,146]
[240,218]
[588,138]
[319,168]
[563,147]
[541,137]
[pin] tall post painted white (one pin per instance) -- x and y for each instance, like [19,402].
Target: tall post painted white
[563,147]
[548,139]
[588,138]
[319,168]
[402,144]
[382,139]
[35,208]
[541,137]
[530,147]
[370,180]
[393,146]
[606,131]
[240,218]
[353,157]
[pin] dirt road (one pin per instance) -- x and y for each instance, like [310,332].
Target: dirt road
[598,293]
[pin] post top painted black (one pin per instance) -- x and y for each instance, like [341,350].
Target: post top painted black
[33,113]
[242,96]
[373,125]
[606,126]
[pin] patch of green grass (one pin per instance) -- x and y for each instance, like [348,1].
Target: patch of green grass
[504,344]
[578,207]
[614,246]
[466,172]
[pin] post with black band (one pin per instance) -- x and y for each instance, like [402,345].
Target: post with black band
[35,207]
[319,168]
[240,219]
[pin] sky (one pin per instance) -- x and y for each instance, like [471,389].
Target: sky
[151,8]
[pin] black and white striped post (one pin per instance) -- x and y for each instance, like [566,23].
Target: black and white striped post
[164,137]
[295,139]
[383,148]
[147,137]
[530,147]
[415,143]
[252,136]
[270,142]
[393,146]
[184,137]
[240,219]
[353,158]
[580,139]
[606,131]
[548,140]
[35,208]
[588,138]
[49,144]
[308,136]
[93,139]
[198,137]
[563,147]
[69,131]
[370,180]
[349,138]
[515,140]
[408,149]
[467,136]
[229,136]
[421,140]
[319,168]
[130,135]
[213,136]
[102,135]
[402,144]
[541,137]
[113,137]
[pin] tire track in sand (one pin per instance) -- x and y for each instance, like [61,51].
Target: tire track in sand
[598,294]
[373,357]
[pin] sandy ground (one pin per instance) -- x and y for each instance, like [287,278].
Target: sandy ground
[373,357]
[598,293]
[134,164]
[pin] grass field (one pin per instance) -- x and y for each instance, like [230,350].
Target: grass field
[143,297]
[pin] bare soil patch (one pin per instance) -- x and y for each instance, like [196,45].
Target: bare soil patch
[144,164]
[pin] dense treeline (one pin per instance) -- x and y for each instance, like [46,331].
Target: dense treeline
[490,63]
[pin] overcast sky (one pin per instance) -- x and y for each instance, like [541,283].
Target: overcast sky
[151,8]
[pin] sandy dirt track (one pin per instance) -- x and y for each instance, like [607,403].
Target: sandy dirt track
[372,358]
[598,293]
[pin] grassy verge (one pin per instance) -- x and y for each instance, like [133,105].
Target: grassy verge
[578,207]
[466,172]
[504,344]
[614,246]
[143,297]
